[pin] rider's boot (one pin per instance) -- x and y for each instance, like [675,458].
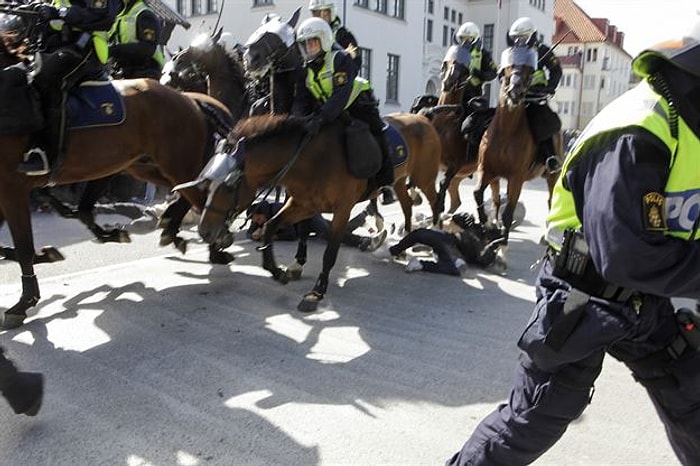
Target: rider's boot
[23,390]
[385,176]
[548,156]
[37,160]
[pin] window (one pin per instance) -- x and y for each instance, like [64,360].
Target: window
[429,30]
[212,6]
[446,14]
[565,108]
[452,33]
[487,37]
[459,18]
[444,36]
[431,6]
[366,68]
[262,2]
[180,7]
[453,16]
[196,7]
[392,78]
[393,8]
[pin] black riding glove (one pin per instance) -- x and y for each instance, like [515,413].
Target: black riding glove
[313,125]
[47,12]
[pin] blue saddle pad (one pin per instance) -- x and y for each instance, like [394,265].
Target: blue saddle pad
[398,149]
[95,103]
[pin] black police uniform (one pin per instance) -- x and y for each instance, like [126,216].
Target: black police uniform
[135,59]
[364,107]
[553,382]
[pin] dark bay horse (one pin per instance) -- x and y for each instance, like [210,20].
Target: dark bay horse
[153,127]
[508,149]
[459,155]
[275,150]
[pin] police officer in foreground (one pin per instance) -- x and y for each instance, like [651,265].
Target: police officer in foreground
[330,86]
[75,49]
[543,85]
[623,232]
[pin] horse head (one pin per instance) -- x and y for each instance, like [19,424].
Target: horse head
[455,69]
[273,43]
[517,65]
[228,193]
[191,68]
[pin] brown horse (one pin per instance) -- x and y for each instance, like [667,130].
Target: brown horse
[459,155]
[275,150]
[508,149]
[153,127]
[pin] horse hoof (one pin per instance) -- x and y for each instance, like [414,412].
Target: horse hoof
[52,254]
[11,321]
[221,257]
[180,244]
[281,276]
[294,271]
[123,236]
[166,240]
[309,303]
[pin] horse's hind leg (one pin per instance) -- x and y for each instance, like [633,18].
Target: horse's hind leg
[405,202]
[445,186]
[481,185]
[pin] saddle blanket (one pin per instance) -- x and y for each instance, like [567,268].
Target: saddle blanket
[95,103]
[398,148]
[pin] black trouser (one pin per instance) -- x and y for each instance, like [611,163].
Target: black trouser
[67,66]
[439,241]
[322,226]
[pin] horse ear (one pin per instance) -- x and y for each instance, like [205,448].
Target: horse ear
[510,42]
[295,17]
[532,40]
[217,36]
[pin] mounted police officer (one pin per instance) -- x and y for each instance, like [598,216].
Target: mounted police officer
[75,49]
[330,86]
[134,42]
[482,68]
[544,122]
[623,235]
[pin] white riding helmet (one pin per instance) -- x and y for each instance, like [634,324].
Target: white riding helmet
[468,33]
[318,5]
[522,29]
[314,28]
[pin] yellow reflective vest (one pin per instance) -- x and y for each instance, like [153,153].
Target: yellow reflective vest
[321,84]
[99,38]
[124,30]
[641,107]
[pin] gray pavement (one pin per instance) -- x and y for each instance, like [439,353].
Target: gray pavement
[154,358]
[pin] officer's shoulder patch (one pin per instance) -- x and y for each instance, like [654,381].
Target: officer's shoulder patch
[149,34]
[340,78]
[654,212]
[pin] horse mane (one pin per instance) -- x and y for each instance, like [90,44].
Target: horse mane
[264,127]
[235,62]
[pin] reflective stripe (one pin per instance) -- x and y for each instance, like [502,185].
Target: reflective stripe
[321,84]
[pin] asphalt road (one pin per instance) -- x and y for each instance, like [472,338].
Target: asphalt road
[155,358]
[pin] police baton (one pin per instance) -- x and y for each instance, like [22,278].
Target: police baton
[551,49]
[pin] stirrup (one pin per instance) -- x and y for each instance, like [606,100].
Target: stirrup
[552,164]
[35,162]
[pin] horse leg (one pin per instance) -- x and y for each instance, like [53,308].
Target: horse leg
[93,191]
[479,197]
[47,254]
[444,185]
[453,191]
[295,269]
[269,229]
[19,221]
[309,302]
[170,222]
[406,204]
[373,210]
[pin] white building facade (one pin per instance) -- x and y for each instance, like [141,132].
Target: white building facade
[402,41]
